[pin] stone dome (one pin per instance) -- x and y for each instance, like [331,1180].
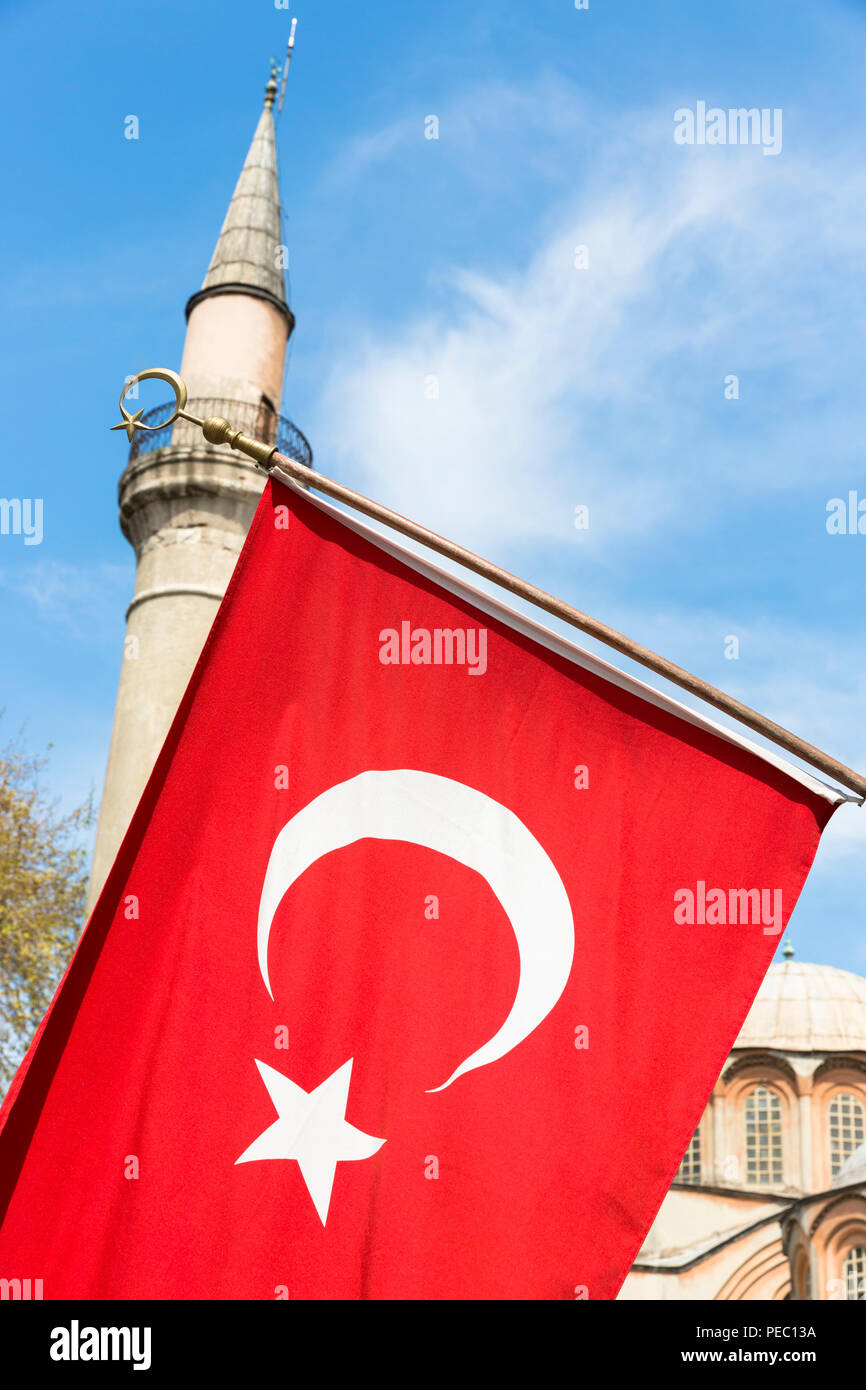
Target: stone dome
[807,1008]
[853,1169]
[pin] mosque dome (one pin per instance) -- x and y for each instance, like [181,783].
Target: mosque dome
[802,1007]
[853,1169]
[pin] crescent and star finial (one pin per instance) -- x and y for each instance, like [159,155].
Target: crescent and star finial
[215,429]
[131,423]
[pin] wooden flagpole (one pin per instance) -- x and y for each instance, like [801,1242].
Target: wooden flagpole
[218,431]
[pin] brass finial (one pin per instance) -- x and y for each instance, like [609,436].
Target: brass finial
[215,429]
[787,949]
[271,88]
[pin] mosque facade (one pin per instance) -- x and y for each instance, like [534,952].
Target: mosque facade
[770,1199]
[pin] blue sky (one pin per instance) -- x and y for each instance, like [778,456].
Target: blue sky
[455,257]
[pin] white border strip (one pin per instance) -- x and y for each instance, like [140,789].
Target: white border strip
[547,638]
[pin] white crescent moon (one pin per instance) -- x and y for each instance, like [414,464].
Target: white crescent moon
[441,814]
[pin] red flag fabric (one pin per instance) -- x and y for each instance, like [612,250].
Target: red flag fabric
[417,965]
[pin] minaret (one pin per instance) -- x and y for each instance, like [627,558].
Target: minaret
[186,506]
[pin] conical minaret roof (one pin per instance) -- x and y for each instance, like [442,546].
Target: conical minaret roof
[246,258]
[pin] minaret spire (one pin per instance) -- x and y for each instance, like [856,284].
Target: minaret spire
[248,258]
[186,506]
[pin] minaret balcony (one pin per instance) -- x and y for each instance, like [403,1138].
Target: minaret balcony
[258,421]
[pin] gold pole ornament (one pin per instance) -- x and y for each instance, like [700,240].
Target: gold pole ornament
[289,470]
[214,428]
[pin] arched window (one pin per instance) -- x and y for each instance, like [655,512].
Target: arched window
[847,1129]
[854,1274]
[763,1112]
[690,1168]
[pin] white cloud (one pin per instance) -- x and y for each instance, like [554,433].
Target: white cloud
[559,386]
[593,385]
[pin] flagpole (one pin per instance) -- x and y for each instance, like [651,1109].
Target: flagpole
[219,431]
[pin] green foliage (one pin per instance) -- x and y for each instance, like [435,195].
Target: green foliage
[43,880]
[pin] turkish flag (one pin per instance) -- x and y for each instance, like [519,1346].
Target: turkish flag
[427,942]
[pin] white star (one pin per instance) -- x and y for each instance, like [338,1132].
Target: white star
[312,1129]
